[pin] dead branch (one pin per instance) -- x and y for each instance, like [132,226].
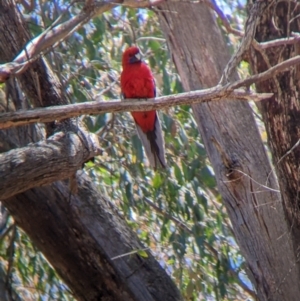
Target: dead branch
[49,114]
[281,67]
[280,42]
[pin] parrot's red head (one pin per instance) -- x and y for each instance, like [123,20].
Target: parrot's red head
[131,56]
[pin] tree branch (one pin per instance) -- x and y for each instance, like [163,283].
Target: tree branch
[42,163]
[280,42]
[247,39]
[267,74]
[221,15]
[49,114]
[54,34]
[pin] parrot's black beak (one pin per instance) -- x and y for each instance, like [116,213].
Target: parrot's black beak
[135,59]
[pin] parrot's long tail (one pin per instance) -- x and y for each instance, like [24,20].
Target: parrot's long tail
[154,144]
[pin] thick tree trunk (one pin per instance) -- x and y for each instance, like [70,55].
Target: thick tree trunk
[281,114]
[81,234]
[236,152]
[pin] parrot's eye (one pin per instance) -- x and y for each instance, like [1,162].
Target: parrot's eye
[134,58]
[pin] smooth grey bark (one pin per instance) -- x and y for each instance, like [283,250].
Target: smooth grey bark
[245,178]
[79,233]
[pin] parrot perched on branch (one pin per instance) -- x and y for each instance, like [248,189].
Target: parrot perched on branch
[137,82]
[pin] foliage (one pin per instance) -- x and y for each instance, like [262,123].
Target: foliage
[177,213]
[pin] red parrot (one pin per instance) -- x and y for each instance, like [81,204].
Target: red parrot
[137,82]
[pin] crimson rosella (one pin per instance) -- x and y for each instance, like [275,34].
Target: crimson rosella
[137,81]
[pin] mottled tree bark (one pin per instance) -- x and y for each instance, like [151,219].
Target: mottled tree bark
[245,178]
[45,162]
[281,114]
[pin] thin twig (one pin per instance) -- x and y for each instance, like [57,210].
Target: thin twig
[221,15]
[108,88]
[177,221]
[150,39]
[129,253]
[281,67]
[279,42]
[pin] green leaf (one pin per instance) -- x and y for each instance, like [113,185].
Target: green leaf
[137,148]
[97,63]
[157,181]
[128,191]
[154,45]
[166,81]
[189,290]
[143,253]
[207,178]
[178,174]
[91,52]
